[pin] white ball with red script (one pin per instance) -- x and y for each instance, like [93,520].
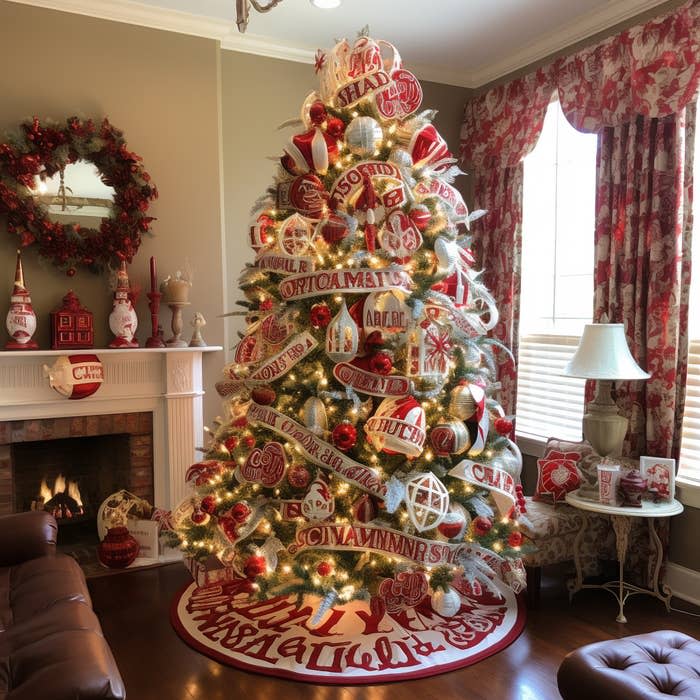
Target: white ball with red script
[398,426]
[75,376]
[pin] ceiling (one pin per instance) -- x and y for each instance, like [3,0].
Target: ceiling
[457,42]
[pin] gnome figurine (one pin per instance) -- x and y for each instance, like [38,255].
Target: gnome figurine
[123,320]
[21,319]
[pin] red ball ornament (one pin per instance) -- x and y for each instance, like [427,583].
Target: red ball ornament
[264,395]
[503,426]
[320,315]
[240,512]
[481,525]
[199,517]
[239,422]
[335,127]
[515,539]
[230,528]
[70,272]
[208,504]
[254,566]
[381,363]
[317,113]
[249,441]
[344,436]
[231,443]
[325,568]
[298,476]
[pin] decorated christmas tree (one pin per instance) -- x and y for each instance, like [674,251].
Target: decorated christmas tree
[364,454]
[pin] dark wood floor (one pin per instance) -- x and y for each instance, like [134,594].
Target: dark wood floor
[156,664]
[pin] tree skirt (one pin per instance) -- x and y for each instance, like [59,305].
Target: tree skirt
[351,644]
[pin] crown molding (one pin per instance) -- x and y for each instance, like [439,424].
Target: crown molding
[133,12]
[581,28]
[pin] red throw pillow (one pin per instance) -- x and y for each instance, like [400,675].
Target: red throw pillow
[555,478]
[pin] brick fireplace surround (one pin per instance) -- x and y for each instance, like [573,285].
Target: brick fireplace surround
[153,396]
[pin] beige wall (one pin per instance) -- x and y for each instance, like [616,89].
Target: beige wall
[272,91]
[162,90]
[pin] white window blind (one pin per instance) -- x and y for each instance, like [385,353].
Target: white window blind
[557,277]
[689,464]
[549,405]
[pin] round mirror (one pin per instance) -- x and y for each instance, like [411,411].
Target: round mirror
[75,192]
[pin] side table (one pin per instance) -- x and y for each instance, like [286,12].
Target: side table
[621,518]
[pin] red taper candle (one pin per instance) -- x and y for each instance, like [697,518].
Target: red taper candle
[154,281]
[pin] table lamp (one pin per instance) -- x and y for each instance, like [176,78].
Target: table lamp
[603,354]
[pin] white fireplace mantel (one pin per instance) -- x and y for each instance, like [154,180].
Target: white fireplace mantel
[165,381]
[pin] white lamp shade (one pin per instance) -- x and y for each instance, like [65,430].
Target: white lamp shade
[603,353]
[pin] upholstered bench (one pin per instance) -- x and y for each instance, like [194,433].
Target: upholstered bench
[650,666]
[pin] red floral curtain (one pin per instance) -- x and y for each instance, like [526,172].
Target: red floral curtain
[642,274]
[652,70]
[496,161]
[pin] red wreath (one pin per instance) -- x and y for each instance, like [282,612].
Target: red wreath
[44,151]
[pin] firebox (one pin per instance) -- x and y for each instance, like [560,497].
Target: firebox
[69,466]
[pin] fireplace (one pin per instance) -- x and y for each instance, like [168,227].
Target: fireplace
[99,455]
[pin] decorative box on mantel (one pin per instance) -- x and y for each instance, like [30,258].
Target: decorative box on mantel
[71,325]
[164,381]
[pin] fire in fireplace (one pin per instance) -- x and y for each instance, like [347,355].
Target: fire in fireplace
[64,502]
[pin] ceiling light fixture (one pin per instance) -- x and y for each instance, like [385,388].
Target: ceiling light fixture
[243,8]
[325,4]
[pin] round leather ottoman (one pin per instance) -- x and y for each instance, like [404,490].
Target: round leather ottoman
[647,666]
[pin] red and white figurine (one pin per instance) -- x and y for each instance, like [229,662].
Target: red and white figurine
[123,320]
[21,319]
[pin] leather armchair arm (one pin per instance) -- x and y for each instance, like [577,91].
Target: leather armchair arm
[25,536]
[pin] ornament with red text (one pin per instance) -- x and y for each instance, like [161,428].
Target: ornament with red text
[123,320]
[405,590]
[75,376]
[450,438]
[262,232]
[318,504]
[385,312]
[398,426]
[400,238]
[295,235]
[306,194]
[21,319]
[264,466]
[428,148]
[428,352]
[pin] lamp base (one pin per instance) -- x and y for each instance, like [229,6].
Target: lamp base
[605,430]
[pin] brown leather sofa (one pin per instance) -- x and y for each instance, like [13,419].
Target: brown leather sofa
[51,643]
[654,666]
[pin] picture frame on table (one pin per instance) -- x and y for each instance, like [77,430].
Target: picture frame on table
[660,473]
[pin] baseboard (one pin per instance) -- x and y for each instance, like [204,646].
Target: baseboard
[684,582]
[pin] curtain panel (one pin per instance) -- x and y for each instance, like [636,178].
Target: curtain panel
[651,71]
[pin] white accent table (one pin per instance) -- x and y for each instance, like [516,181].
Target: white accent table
[621,517]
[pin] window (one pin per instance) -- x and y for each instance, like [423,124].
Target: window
[689,465]
[557,277]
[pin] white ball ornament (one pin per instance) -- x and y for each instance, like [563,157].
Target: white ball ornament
[363,136]
[445,603]
[427,501]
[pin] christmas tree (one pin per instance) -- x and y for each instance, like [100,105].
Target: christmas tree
[363,445]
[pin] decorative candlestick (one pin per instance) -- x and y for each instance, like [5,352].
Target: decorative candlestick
[176,324]
[123,320]
[156,340]
[21,319]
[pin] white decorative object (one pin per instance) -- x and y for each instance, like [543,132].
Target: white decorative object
[398,426]
[295,235]
[427,501]
[608,482]
[314,415]
[342,336]
[428,352]
[318,503]
[385,312]
[603,354]
[123,320]
[399,237]
[117,508]
[21,319]
[445,603]
[363,136]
